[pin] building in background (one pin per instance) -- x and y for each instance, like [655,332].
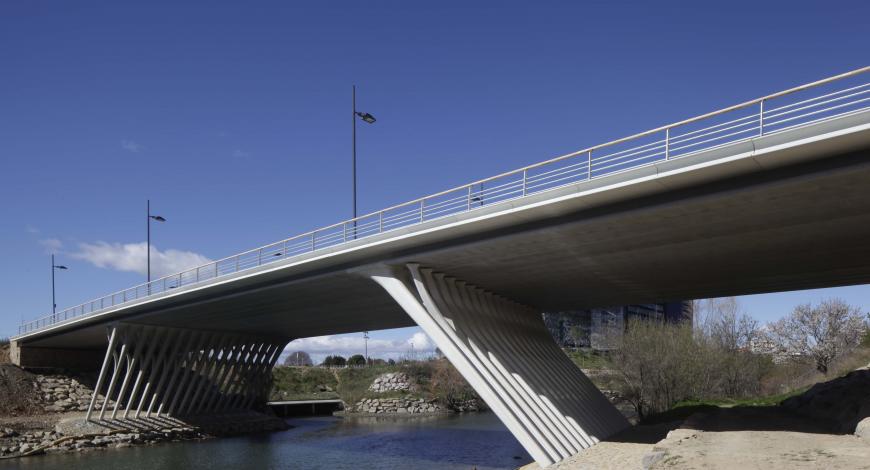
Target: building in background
[596,328]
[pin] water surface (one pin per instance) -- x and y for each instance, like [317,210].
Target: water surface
[473,440]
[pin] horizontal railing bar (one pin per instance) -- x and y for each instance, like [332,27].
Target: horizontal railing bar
[713,139]
[816,112]
[679,138]
[816,98]
[816,105]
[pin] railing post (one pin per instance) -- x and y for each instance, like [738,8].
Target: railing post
[344,230]
[589,165]
[422,201]
[667,143]
[469,197]
[197,274]
[524,181]
[381,222]
[259,256]
[761,118]
[313,245]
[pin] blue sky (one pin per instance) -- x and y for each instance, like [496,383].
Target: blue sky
[232,117]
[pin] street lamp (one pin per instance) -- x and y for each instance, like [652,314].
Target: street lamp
[54,267]
[368,119]
[148,247]
[366,338]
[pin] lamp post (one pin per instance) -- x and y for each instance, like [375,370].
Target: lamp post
[368,119]
[54,267]
[148,243]
[366,338]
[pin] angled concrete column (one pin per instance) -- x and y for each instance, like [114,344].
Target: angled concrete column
[184,372]
[506,353]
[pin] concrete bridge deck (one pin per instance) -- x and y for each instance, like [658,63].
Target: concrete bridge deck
[780,208]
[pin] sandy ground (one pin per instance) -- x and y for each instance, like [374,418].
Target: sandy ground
[760,438]
[739,438]
[626,450]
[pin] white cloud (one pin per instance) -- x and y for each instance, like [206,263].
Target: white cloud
[346,345]
[420,341]
[51,245]
[132,257]
[131,146]
[240,154]
[31,229]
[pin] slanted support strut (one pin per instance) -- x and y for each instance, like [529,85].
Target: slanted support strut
[505,352]
[184,371]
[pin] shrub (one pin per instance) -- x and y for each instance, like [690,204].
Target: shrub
[659,364]
[447,384]
[356,360]
[334,361]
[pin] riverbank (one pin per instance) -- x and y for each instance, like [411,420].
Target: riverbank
[43,413]
[71,433]
[827,426]
[423,387]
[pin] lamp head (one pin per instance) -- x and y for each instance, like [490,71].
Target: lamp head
[366,117]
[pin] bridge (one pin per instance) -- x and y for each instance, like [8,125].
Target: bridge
[768,195]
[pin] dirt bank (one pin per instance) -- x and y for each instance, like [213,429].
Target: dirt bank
[813,430]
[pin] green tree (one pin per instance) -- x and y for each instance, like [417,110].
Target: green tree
[356,360]
[334,361]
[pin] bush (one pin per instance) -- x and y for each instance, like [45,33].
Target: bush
[298,358]
[659,364]
[447,384]
[334,361]
[356,360]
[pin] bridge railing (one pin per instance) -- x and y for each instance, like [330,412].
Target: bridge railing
[833,97]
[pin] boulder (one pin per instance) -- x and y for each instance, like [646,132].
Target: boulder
[863,429]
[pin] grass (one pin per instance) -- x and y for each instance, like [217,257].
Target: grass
[771,400]
[587,359]
[303,383]
[686,408]
[350,385]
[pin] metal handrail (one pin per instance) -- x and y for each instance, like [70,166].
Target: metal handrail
[473,195]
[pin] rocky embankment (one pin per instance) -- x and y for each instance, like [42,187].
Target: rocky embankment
[398,406]
[392,382]
[410,403]
[13,444]
[43,413]
[59,393]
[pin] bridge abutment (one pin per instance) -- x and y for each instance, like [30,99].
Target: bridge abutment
[30,357]
[504,351]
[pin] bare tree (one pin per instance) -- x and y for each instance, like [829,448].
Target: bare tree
[724,322]
[298,358]
[819,333]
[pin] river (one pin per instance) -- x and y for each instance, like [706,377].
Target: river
[466,441]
